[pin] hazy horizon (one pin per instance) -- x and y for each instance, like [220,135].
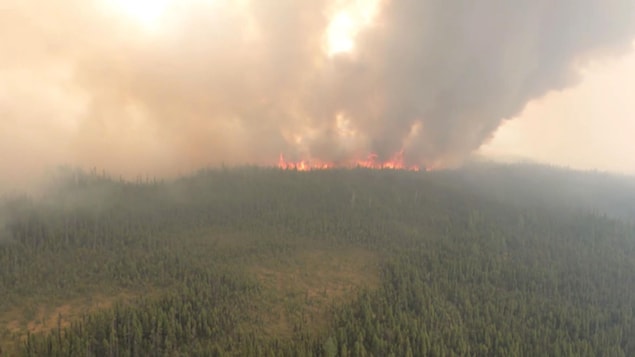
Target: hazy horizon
[165,87]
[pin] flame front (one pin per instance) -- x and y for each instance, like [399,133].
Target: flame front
[396,162]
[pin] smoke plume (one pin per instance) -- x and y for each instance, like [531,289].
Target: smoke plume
[239,82]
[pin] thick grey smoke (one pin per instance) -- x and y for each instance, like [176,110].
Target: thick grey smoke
[460,67]
[241,81]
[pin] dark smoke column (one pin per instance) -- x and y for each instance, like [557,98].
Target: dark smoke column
[437,77]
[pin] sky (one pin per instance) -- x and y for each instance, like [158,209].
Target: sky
[590,126]
[165,87]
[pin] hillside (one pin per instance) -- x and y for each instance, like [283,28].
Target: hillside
[486,260]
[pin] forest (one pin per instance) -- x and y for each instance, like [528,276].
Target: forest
[485,260]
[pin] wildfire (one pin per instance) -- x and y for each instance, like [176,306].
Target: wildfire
[371,162]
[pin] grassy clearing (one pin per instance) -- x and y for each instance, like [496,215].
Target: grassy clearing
[35,315]
[300,283]
[302,287]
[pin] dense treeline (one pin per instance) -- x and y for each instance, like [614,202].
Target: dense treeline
[480,261]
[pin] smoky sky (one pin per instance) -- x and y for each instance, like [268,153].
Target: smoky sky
[239,82]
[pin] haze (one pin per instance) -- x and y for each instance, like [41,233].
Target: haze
[165,87]
[590,126]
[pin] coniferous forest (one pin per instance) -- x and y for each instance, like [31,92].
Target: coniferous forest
[486,260]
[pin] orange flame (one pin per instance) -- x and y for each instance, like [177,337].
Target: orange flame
[396,162]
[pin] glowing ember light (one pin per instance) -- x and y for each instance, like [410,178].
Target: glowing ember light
[303,165]
[346,24]
[147,13]
[340,34]
[371,162]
